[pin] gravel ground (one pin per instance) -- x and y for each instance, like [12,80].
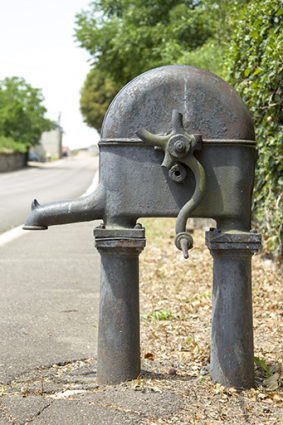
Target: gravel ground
[175,386]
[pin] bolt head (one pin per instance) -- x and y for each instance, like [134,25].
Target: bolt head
[180,146]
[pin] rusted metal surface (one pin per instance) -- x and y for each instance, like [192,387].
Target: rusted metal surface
[179,147]
[216,240]
[232,352]
[136,185]
[119,318]
[133,185]
[218,126]
[210,106]
[119,238]
[101,233]
[136,141]
[70,211]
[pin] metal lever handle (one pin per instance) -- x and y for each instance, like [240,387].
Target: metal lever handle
[179,147]
[197,197]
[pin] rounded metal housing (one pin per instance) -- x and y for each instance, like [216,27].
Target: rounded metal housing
[130,169]
[209,105]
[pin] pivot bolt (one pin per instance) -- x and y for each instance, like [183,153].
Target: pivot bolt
[180,146]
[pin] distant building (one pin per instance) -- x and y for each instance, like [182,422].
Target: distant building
[50,145]
[51,142]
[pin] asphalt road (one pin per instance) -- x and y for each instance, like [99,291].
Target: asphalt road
[50,182]
[49,281]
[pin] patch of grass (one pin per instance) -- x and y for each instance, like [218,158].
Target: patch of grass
[206,294]
[160,315]
[262,364]
[159,229]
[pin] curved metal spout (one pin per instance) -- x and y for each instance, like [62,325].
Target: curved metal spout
[86,208]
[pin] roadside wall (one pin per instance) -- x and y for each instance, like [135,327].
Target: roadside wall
[11,161]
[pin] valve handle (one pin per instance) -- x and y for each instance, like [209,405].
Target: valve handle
[184,242]
[179,147]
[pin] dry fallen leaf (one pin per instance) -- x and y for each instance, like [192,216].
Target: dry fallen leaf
[149,356]
[183,288]
[277,398]
[272,382]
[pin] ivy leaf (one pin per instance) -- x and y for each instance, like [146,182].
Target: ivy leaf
[247,72]
[258,71]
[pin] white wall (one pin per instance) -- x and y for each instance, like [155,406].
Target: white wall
[51,142]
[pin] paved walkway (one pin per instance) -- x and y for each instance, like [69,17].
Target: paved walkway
[49,283]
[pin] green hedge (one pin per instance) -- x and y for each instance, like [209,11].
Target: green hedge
[8,145]
[254,66]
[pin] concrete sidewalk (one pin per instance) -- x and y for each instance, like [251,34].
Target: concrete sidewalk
[49,284]
[49,301]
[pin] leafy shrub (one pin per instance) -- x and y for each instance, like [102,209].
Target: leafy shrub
[254,65]
[8,145]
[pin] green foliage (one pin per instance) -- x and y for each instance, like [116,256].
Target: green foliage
[127,38]
[21,114]
[8,145]
[254,66]
[96,95]
[262,364]
[161,315]
[208,56]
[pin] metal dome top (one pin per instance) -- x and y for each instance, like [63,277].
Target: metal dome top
[210,106]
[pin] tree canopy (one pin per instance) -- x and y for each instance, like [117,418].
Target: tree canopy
[97,93]
[22,113]
[126,38]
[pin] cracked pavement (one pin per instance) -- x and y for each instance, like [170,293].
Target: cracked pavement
[49,284]
[68,394]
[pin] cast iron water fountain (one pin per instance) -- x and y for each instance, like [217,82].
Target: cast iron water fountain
[177,141]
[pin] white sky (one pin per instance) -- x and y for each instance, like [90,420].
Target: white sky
[37,43]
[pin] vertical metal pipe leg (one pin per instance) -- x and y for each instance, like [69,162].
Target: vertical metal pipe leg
[119,318]
[232,358]
[232,351]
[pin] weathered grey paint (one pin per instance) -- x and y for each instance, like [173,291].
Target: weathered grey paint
[218,133]
[119,317]
[232,351]
[131,180]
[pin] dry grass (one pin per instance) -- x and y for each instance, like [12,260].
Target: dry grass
[176,308]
